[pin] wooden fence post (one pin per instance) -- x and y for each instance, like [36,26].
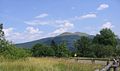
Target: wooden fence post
[108,64]
[114,65]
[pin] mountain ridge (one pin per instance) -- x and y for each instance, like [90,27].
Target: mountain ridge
[68,37]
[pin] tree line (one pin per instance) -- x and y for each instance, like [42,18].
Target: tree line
[104,44]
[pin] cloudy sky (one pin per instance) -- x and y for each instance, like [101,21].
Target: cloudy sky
[28,20]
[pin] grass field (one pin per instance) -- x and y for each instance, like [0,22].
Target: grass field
[47,64]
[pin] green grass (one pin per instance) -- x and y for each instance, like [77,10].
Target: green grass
[46,64]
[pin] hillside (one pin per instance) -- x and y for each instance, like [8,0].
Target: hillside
[67,37]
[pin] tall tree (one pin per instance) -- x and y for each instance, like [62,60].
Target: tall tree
[7,49]
[63,50]
[106,37]
[55,47]
[1,32]
[2,39]
[82,46]
[105,43]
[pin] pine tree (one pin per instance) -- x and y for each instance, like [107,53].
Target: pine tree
[1,32]
[54,46]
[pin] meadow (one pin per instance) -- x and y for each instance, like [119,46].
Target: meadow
[47,64]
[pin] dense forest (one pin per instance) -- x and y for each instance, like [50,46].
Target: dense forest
[104,44]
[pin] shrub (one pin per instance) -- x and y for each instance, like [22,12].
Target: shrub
[41,50]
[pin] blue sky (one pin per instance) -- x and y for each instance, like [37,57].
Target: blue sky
[28,20]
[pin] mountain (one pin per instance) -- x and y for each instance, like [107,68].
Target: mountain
[76,33]
[68,37]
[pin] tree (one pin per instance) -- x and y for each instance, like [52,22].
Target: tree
[1,32]
[82,46]
[54,46]
[39,50]
[62,50]
[7,49]
[104,44]
[106,37]
[102,51]
[2,39]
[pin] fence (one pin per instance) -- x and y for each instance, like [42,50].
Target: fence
[110,65]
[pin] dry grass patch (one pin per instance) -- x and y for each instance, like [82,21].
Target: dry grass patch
[46,64]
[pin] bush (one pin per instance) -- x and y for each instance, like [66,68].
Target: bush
[62,50]
[41,50]
[9,51]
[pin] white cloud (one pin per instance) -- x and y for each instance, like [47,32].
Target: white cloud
[33,30]
[107,25]
[36,22]
[47,22]
[60,21]
[59,31]
[42,15]
[11,35]
[29,34]
[67,25]
[91,15]
[63,27]
[86,16]
[60,25]
[32,33]
[103,6]
[8,31]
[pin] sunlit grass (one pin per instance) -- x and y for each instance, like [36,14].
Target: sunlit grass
[46,64]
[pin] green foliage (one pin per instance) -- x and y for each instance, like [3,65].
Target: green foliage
[62,50]
[102,45]
[102,51]
[118,50]
[55,47]
[1,32]
[41,50]
[82,46]
[106,37]
[28,51]
[8,50]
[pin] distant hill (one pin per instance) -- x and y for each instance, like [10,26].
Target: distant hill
[68,37]
[76,33]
